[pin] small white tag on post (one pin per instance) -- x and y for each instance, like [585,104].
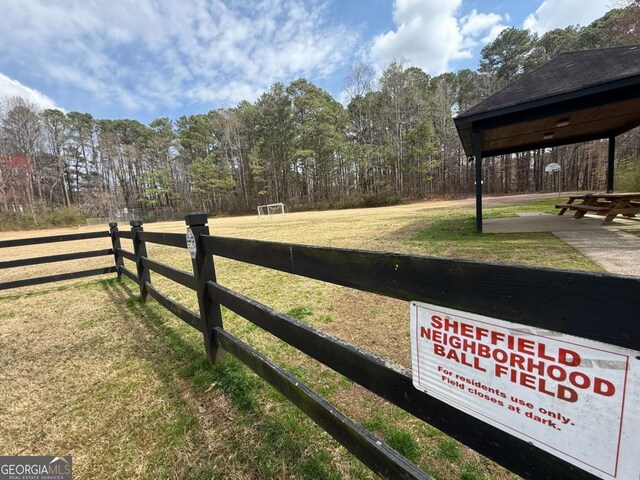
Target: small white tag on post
[191,243]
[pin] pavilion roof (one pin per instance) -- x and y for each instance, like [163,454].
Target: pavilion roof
[576,96]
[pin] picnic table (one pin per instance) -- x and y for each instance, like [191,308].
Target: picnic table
[608,205]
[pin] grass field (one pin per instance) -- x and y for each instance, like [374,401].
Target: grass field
[124,387]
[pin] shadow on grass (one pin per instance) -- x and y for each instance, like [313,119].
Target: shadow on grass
[55,287]
[283,437]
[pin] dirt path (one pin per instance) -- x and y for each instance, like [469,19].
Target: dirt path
[510,199]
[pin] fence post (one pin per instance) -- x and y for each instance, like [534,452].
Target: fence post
[115,245]
[140,250]
[204,271]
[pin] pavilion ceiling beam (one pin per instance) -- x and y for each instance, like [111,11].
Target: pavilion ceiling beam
[553,143]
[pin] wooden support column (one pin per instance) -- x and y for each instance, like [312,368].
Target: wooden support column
[204,271]
[610,165]
[115,244]
[140,250]
[477,152]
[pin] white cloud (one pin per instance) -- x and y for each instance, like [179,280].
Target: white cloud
[562,13]
[13,88]
[487,26]
[493,33]
[143,54]
[476,23]
[430,34]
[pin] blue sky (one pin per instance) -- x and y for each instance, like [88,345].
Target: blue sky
[145,59]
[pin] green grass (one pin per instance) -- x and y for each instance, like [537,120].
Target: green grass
[286,443]
[282,434]
[299,312]
[404,442]
[318,467]
[224,421]
[449,449]
[452,234]
[472,472]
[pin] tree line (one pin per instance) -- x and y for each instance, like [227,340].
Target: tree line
[395,139]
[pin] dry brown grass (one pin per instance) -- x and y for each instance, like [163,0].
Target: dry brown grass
[74,380]
[15,253]
[123,386]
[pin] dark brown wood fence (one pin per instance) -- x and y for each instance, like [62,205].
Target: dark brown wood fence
[55,258]
[589,305]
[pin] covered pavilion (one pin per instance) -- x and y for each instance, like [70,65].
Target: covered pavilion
[575,97]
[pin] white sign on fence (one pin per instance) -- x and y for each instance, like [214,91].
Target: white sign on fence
[191,243]
[576,398]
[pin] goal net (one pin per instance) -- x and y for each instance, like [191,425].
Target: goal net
[271,209]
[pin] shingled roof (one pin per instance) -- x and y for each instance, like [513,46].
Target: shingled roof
[596,91]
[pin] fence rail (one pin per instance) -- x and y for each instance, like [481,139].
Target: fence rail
[56,278]
[190,317]
[594,306]
[129,274]
[519,294]
[126,254]
[377,455]
[514,293]
[23,262]
[179,276]
[19,242]
[168,239]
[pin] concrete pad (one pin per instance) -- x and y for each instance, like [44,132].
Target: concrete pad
[615,251]
[544,222]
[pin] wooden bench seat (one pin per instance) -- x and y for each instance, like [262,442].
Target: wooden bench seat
[608,205]
[627,211]
[589,208]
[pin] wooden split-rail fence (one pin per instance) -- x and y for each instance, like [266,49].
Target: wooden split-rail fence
[588,305]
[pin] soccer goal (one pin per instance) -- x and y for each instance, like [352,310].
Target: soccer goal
[271,209]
